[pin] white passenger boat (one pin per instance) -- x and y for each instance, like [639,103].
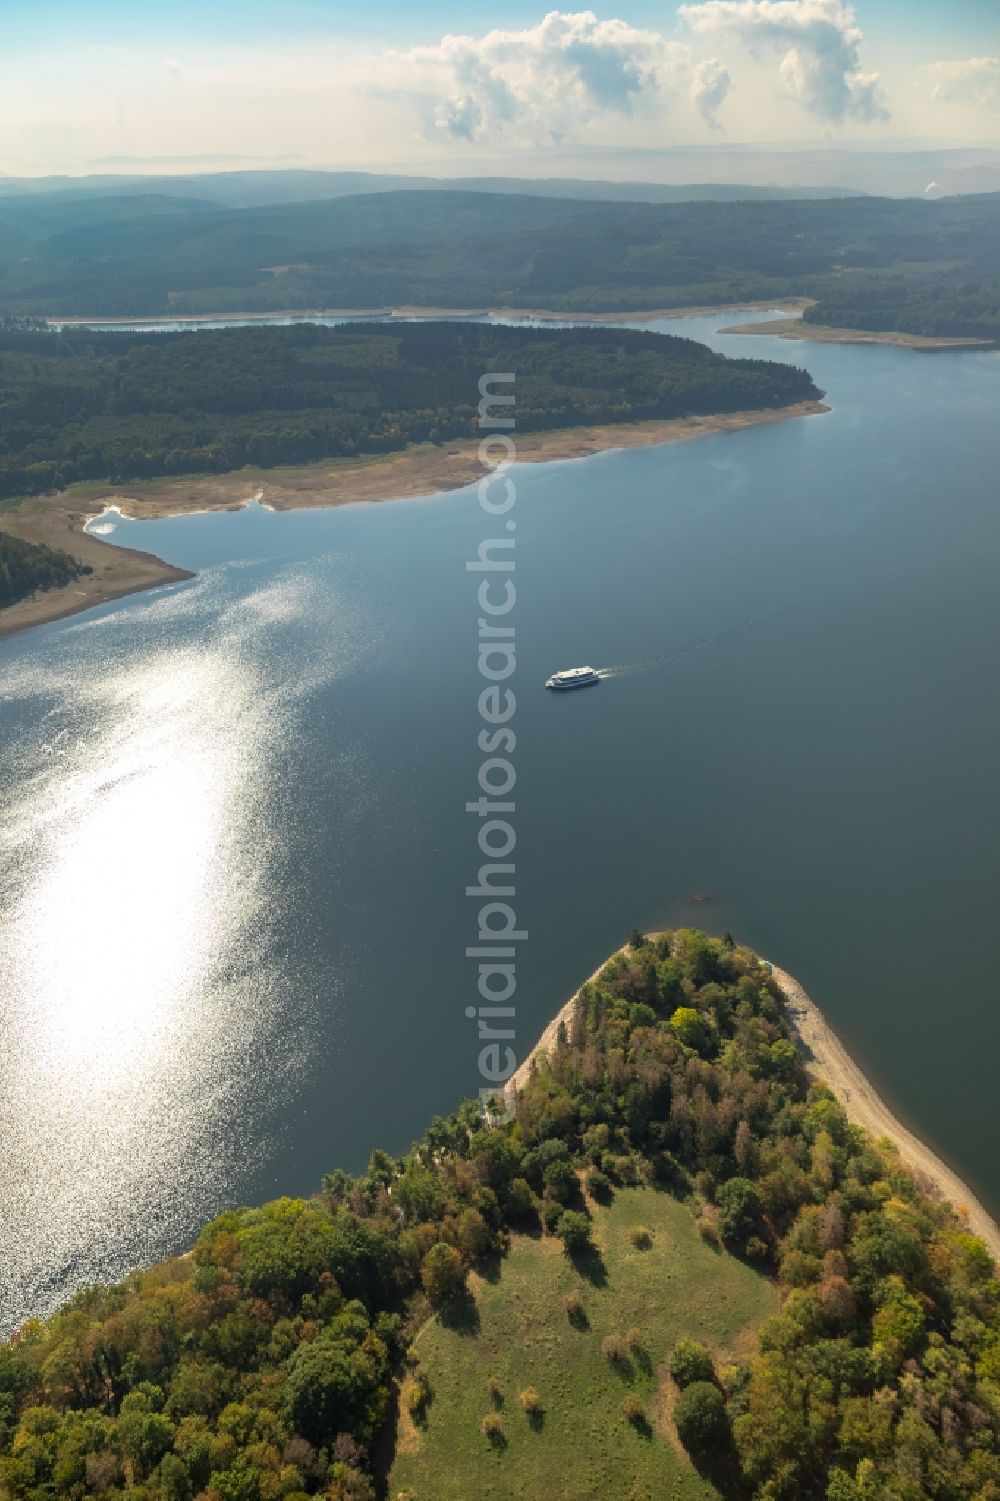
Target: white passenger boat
[573,677]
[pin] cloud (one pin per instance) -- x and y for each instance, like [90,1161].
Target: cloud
[820,46]
[976,80]
[709,89]
[172,66]
[543,83]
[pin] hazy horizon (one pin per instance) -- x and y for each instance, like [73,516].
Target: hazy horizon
[306,85]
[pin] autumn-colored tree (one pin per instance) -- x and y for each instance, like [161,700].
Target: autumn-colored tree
[442,1273]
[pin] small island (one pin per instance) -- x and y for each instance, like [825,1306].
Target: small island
[673,1227]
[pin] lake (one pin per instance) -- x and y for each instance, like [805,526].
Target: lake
[234,848]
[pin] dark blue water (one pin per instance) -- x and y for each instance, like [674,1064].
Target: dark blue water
[235,839]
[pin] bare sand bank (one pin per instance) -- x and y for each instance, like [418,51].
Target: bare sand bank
[774,304]
[423,469]
[117,571]
[820,333]
[547,1042]
[827,1061]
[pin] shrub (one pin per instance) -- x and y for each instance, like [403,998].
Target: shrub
[641,1237]
[709,1231]
[623,1167]
[691,1362]
[701,1419]
[614,1348]
[418,1394]
[632,1407]
[552,1213]
[494,1391]
[575,1311]
[530,1401]
[634,1339]
[600,1185]
[491,1428]
[574,1230]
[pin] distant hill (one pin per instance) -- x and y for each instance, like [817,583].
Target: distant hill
[252,189]
[100,257]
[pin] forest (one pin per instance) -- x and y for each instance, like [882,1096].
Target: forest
[149,255]
[26,567]
[84,405]
[269,1362]
[939,307]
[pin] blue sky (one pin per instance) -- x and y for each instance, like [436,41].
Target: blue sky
[400,22]
[377,83]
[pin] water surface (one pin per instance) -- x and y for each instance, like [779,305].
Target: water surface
[234,847]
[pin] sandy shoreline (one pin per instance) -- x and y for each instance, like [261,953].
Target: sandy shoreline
[117,571]
[546,1043]
[421,470]
[820,333]
[773,304]
[828,1061]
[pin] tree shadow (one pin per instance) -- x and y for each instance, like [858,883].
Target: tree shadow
[490,1267]
[536,1419]
[384,1454]
[721,1468]
[529,1224]
[460,1313]
[418,1416]
[589,1262]
[623,1369]
[578,1319]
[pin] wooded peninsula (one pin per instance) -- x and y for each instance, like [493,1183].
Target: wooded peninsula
[673,1223]
[81,405]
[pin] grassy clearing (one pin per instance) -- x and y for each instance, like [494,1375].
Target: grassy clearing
[519,1336]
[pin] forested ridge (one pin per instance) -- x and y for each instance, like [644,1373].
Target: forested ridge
[83,405]
[121,256]
[263,1366]
[26,567]
[940,308]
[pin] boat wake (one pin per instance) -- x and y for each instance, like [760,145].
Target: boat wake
[793,605]
[723,636]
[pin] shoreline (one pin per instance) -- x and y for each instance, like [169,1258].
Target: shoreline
[828,1062]
[117,572]
[822,333]
[773,304]
[547,1041]
[421,470]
